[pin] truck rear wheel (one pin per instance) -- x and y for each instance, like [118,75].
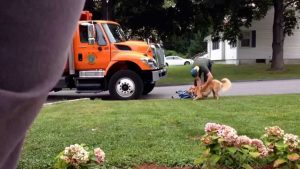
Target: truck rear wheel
[148,87]
[125,85]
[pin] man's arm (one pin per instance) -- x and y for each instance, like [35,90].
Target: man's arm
[209,79]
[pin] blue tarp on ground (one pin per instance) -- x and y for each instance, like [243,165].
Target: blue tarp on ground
[184,94]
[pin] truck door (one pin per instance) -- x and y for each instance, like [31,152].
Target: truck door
[93,51]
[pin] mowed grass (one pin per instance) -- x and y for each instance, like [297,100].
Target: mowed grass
[164,132]
[178,75]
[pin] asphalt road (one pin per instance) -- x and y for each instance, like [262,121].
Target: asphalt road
[166,92]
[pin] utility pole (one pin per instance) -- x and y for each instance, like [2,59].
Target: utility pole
[107,1]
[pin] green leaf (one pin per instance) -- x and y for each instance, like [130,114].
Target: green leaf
[298,166]
[293,157]
[214,137]
[254,154]
[206,153]
[248,147]
[232,149]
[220,140]
[199,161]
[247,166]
[215,159]
[278,162]
[280,146]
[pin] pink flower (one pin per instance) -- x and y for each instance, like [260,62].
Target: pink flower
[228,133]
[262,149]
[212,127]
[100,155]
[242,140]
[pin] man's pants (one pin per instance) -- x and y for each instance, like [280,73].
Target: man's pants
[210,68]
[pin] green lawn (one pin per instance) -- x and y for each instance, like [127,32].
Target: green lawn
[164,132]
[181,74]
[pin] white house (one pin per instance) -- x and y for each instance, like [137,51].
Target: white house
[256,45]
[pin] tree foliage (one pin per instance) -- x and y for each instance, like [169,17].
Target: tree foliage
[173,21]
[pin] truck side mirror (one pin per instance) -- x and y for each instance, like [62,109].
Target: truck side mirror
[91,34]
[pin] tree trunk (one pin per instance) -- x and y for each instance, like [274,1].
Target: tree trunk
[278,36]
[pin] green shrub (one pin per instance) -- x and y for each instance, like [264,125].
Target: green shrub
[173,53]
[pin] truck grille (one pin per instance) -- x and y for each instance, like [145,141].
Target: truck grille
[159,55]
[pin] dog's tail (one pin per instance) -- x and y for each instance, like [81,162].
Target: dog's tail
[226,84]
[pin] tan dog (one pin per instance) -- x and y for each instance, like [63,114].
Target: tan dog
[215,86]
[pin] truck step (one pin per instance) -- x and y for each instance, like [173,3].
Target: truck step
[88,91]
[89,84]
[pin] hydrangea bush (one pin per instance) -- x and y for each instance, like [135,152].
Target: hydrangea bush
[223,147]
[284,148]
[79,157]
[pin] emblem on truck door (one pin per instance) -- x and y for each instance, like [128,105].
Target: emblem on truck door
[91,59]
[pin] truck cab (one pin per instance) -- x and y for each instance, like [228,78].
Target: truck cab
[101,58]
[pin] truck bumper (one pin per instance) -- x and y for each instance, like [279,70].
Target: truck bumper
[158,74]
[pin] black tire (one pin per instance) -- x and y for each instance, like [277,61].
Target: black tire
[187,63]
[130,85]
[148,87]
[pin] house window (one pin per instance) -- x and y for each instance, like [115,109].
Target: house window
[215,45]
[233,45]
[248,39]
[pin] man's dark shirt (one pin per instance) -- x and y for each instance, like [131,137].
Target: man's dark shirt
[203,64]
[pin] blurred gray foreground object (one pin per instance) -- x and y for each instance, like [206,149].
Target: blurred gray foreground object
[34,38]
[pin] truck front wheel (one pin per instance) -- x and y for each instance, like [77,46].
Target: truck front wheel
[125,85]
[148,87]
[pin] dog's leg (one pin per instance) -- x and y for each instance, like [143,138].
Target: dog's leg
[217,95]
[214,94]
[198,95]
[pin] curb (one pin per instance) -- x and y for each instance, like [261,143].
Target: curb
[256,80]
[65,101]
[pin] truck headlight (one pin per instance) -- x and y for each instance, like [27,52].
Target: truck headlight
[150,62]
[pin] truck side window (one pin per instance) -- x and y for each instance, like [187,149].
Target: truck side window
[100,36]
[83,31]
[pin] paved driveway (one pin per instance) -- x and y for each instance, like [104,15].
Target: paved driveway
[238,89]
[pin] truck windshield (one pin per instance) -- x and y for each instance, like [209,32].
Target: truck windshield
[114,33]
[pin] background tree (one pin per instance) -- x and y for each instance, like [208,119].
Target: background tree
[175,22]
[228,16]
[197,44]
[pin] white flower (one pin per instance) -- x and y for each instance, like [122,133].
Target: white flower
[75,155]
[291,140]
[274,131]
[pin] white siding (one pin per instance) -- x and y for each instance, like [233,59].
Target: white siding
[264,38]
[216,54]
[230,52]
[263,49]
[292,46]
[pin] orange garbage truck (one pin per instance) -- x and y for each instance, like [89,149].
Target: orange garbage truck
[101,58]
